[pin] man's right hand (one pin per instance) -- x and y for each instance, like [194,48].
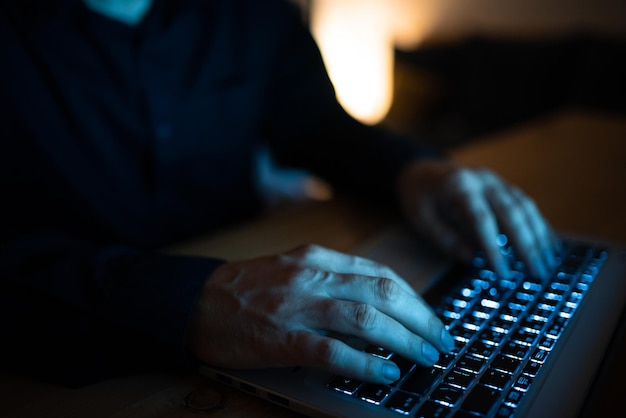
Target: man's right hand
[281,310]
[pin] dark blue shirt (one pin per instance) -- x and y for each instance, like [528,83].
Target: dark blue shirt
[118,140]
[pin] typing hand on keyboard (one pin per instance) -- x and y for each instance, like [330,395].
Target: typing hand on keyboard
[287,309]
[463,210]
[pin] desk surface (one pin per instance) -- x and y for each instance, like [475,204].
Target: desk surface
[573,164]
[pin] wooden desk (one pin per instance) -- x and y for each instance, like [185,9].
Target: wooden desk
[573,164]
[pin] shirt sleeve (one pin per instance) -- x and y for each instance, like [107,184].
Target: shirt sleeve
[309,128]
[77,314]
[73,309]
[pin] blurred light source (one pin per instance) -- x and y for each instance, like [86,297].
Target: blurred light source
[357,47]
[357,40]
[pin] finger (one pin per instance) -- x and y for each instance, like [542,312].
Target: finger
[387,297]
[324,352]
[369,324]
[480,216]
[513,211]
[514,221]
[543,233]
[322,258]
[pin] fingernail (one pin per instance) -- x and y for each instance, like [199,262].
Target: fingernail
[447,340]
[430,353]
[391,372]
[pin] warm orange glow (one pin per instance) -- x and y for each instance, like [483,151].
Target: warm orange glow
[358,52]
[357,38]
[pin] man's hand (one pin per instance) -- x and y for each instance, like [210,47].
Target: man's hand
[283,310]
[463,210]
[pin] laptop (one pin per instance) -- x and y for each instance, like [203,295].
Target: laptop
[524,347]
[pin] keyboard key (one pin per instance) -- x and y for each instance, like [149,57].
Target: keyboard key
[405,365]
[559,287]
[525,336]
[490,304]
[445,360]
[449,316]
[519,307]
[378,351]
[402,402]
[482,312]
[373,393]
[523,383]
[459,344]
[480,349]
[509,314]
[525,296]
[344,384]
[539,316]
[473,322]
[531,286]
[534,324]
[567,311]
[462,333]
[495,379]
[470,363]
[491,337]
[446,394]
[504,412]
[555,329]
[547,343]
[539,355]
[515,349]
[532,368]
[500,325]
[460,378]
[548,301]
[421,380]
[505,364]
[513,398]
[481,400]
[600,254]
[432,409]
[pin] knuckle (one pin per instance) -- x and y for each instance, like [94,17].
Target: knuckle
[482,214]
[294,275]
[364,316]
[370,366]
[306,251]
[386,271]
[461,179]
[327,352]
[530,204]
[385,289]
[518,219]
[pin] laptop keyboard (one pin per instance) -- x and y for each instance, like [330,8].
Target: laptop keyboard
[504,331]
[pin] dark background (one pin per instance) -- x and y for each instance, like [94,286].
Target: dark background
[453,92]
